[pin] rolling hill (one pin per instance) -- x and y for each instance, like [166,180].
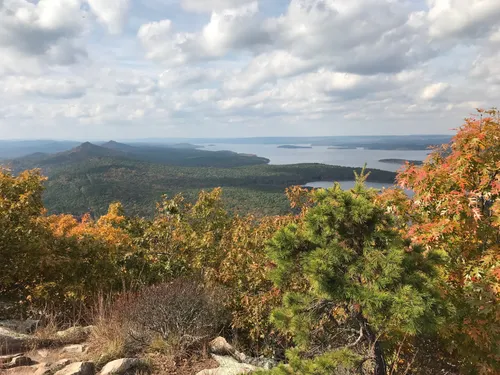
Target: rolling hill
[89,177]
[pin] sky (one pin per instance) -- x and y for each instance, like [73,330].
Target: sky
[128,69]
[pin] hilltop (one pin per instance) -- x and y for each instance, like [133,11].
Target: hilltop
[87,178]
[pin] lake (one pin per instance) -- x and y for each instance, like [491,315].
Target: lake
[322,154]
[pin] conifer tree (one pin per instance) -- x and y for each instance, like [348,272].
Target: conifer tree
[363,287]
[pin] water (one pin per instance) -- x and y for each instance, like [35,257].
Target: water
[324,155]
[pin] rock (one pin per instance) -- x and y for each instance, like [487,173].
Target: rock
[49,369]
[20,361]
[221,347]
[75,334]
[61,363]
[229,366]
[23,370]
[78,368]
[8,358]
[44,353]
[12,342]
[44,369]
[119,366]
[20,326]
[77,348]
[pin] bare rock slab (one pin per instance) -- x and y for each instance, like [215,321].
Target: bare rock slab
[77,348]
[8,357]
[120,366]
[20,361]
[78,368]
[12,342]
[74,334]
[229,366]
[23,370]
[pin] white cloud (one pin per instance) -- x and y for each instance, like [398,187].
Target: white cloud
[244,67]
[42,32]
[61,88]
[462,18]
[112,13]
[210,5]
[228,30]
[433,91]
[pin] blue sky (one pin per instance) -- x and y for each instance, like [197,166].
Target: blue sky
[88,69]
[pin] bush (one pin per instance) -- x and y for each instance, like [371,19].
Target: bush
[183,313]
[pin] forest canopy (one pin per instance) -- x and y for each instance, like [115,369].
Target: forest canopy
[349,281]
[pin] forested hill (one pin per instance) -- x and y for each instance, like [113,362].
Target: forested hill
[89,177]
[171,155]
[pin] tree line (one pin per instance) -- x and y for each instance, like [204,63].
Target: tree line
[349,282]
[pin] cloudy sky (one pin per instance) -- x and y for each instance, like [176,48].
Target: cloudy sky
[88,69]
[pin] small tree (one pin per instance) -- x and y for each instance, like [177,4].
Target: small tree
[456,209]
[364,288]
[22,239]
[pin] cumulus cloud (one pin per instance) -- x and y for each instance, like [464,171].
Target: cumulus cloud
[45,30]
[234,67]
[210,5]
[228,30]
[433,91]
[462,18]
[113,13]
[58,88]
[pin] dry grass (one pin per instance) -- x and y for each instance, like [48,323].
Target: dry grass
[108,341]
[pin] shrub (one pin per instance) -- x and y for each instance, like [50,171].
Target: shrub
[183,313]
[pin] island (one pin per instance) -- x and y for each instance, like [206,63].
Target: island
[401,161]
[294,146]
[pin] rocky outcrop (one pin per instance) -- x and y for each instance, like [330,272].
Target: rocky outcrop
[78,368]
[77,348]
[23,370]
[20,326]
[233,362]
[12,342]
[8,357]
[19,361]
[51,368]
[120,366]
[229,366]
[74,334]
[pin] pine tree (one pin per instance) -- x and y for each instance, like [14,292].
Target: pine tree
[363,287]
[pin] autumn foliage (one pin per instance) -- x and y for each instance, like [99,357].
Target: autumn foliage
[353,281]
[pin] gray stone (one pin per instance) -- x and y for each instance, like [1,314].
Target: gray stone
[77,348]
[51,368]
[78,368]
[7,358]
[74,334]
[221,347]
[119,366]
[23,370]
[44,369]
[12,342]
[20,326]
[20,361]
[229,366]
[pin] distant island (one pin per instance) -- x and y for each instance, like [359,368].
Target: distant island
[294,146]
[401,161]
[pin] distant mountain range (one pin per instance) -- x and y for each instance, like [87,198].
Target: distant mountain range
[88,177]
[375,142]
[178,154]
[15,149]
